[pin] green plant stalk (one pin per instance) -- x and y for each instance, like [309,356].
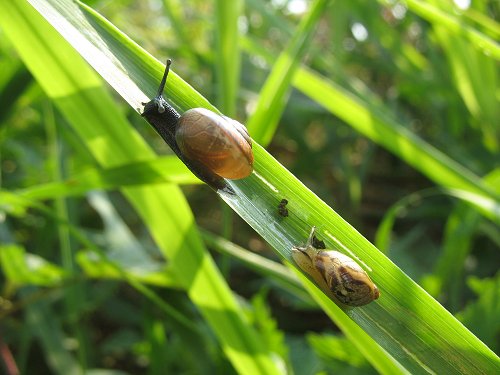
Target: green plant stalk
[228,58]
[273,96]
[74,298]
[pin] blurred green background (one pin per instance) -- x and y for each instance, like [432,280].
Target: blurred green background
[62,309]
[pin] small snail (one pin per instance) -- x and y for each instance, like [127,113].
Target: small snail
[282,210]
[212,146]
[339,276]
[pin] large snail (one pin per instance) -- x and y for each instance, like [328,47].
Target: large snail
[339,276]
[212,146]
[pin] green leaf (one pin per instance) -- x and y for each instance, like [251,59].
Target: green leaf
[482,314]
[21,268]
[94,268]
[168,169]
[273,338]
[44,324]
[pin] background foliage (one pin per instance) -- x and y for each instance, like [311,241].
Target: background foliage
[393,115]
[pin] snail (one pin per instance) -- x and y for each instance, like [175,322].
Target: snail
[212,146]
[339,276]
[282,210]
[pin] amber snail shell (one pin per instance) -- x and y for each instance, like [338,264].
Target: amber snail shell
[338,275]
[220,143]
[212,146]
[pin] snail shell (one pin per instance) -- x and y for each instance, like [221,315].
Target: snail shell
[219,143]
[338,275]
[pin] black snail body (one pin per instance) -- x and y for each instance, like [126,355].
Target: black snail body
[212,146]
[338,275]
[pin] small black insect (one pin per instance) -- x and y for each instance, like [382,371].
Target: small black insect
[282,210]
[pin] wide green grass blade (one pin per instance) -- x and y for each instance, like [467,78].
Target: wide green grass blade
[79,95]
[409,324]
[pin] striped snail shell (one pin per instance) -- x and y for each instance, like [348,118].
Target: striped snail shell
[338,275]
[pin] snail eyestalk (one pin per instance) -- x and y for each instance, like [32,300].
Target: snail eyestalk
[164,79]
